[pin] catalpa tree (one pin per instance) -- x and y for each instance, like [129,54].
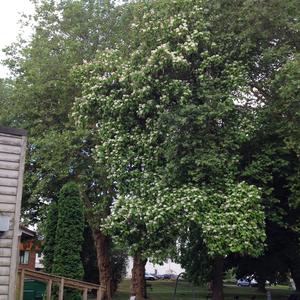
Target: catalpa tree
[169,128]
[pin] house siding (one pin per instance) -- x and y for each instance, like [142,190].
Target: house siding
[12,152]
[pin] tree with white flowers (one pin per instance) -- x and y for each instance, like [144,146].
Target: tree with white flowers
[169,131]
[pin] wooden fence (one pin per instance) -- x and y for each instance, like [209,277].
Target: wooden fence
[62,282]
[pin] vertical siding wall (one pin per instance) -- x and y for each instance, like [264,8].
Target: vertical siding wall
[12,152]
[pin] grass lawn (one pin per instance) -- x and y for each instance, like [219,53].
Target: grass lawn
[164,289]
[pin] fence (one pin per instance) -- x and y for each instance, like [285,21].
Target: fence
[62,282]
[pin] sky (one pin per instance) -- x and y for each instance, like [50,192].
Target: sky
[10,12]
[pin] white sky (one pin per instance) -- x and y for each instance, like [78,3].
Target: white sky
[10,11]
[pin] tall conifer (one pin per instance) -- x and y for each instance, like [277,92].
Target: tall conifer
[69,235]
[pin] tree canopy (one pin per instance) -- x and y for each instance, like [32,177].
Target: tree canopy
[169,130]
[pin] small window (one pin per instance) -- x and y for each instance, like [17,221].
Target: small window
[24,257]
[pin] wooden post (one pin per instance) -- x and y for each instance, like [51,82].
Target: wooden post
[61,289]
[49,289]
[22,276]
[85,294]
[99,294]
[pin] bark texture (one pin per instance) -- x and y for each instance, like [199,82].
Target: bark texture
[102,244]
[217,282]
[138,283]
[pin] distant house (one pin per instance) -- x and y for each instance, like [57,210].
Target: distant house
[168,267]
[29,248]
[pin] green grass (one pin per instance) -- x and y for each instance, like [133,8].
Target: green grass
[164,289]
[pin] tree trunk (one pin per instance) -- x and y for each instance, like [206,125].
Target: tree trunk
[113,286]
[261,283]
[295,272]
[102,247]
[217,282]
[138,282]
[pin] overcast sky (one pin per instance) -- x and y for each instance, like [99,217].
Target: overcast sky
[10,11]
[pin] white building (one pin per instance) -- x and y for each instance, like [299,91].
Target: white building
[169,267]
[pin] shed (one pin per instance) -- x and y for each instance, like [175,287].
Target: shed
[12,159]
